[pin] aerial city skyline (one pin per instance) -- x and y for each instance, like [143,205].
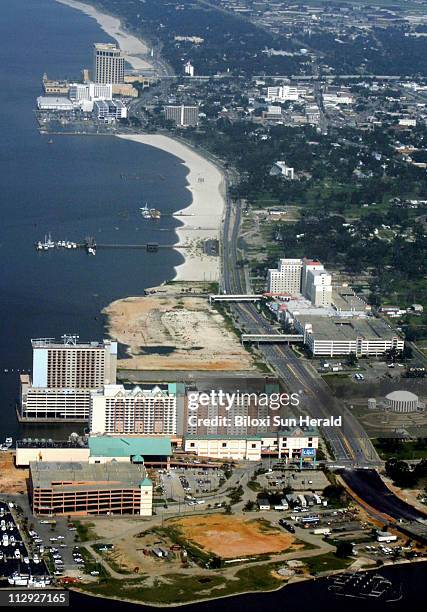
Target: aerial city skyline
[214,303]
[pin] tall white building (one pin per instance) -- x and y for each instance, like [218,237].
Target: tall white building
[80,92]
[286,278]
[117,410]
[64,374]
[189,69]
[282,93]
[108,64]
[316,283]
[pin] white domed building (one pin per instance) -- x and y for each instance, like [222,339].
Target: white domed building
[402,401]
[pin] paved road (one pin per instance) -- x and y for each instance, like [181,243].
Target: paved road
[350,444]
[368,485]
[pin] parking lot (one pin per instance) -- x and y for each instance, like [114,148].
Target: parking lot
[308,480]
[182,483]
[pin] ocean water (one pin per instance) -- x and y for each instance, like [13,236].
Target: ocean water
[71,188]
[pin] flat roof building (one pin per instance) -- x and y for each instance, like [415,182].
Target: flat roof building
[54,103]
[81,489]
[335,335]
[135,449]
[288,443]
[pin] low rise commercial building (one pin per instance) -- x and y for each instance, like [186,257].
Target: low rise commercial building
[97,449]
[55,86]
[50,103]
[80,92]
[81,489]
[280,168]
[289,443]
[337,335]
[63,451]
[109,110]
[136,449]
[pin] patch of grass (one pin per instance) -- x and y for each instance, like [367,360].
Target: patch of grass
[326,562]
[85,531]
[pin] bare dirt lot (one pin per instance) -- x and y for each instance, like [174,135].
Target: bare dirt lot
[171,330]
[231,537]
[12,480]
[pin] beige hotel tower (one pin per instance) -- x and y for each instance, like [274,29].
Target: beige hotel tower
[108,64]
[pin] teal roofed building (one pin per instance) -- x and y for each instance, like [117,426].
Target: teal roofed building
[133,449]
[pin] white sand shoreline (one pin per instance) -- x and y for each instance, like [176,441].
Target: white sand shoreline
[135,50]
[206,184]
[205,181]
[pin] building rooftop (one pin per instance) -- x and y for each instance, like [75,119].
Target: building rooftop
[77,476]
[162,391]
[113,446]
[286,432]
[343,328]
[402,396]
[71,342]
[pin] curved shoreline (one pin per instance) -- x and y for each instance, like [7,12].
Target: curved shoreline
[284,585]
[203,216]
[132,46]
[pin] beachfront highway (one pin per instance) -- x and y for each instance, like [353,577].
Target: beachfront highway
[350,444]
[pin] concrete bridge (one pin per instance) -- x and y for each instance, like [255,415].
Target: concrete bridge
[272,338]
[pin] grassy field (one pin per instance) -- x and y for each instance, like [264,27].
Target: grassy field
[405,451]
[326,562]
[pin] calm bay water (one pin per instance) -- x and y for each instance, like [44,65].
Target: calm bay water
[304,597]
[71,188]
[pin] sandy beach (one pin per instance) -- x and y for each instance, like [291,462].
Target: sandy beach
[203,216]
[134,49]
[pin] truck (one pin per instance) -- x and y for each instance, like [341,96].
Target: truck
[321,531]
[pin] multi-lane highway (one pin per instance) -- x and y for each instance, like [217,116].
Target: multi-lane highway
[349,443]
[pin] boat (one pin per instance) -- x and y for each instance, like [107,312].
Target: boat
[150,213]
[40,581]
[91,250]
[18,579]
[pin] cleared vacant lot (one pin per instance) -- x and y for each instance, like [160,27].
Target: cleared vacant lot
[231,537]
[173,330]
[12,480]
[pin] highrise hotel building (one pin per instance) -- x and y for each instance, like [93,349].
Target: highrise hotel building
[120,410]
[108,64]
[64,375]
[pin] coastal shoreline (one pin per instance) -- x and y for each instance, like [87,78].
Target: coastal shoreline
[203,216]
[134,48]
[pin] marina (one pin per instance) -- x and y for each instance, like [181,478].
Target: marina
[365,585]
[18,567]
